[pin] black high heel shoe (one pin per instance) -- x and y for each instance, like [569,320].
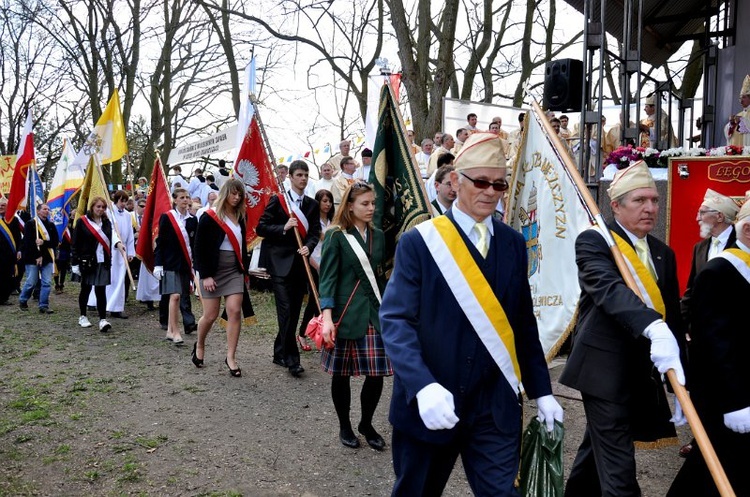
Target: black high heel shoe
[194,357]
[233,372]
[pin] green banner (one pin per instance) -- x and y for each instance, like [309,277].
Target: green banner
[401,200]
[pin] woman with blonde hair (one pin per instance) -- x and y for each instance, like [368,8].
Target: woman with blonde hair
[222,260]
[351,283]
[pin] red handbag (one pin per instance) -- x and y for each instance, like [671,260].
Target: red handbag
[314,330]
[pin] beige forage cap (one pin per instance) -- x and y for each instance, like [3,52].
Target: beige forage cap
[718,202]
[651,100]
[744,211]
[481,150]
[745,86]
[631,178]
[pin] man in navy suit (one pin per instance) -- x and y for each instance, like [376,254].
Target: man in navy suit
[457,363]
[283,258]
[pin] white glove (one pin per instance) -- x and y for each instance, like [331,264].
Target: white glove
[549,411]
[158,272]
[738,421]
[679,418]
[75,270]
[665,353]
[436,407]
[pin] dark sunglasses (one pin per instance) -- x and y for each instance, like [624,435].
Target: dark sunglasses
[499,186]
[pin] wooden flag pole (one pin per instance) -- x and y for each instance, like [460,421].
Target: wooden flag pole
[267,146]
[124,254]
[707,449]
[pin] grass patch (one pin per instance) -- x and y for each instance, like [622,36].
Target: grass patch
[151,443]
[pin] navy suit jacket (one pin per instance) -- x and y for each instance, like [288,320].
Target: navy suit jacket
[429,339]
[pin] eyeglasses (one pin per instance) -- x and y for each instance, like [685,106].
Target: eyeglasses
[498,186]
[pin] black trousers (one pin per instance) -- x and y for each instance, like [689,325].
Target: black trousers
[605,463]
[7,281]
[731,449]
[186,308]
[62,271]
[289,292]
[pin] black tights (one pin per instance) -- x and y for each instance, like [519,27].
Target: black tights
[101,299]
[369,398]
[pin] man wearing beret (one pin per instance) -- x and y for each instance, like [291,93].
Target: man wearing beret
[459,327]
[720,379]
[616,333]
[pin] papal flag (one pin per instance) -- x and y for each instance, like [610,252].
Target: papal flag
[400,199]
[544,206]
[93,186]
[107,140]
[65,184]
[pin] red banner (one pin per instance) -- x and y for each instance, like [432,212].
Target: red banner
[688,180]
[158,202]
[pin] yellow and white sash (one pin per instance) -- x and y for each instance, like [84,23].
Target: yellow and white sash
[641,274]
[739,259]
[473,294]
[44,235]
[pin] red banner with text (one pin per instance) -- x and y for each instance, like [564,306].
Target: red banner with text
[689,178]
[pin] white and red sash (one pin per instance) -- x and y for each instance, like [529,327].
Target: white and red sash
[20,221]
[184,239]
[303,225]
[98,233]
[66,235]
[231,235]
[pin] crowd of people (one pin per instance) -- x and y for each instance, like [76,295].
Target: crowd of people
[454,322]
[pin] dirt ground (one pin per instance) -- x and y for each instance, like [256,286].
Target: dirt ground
[126,413]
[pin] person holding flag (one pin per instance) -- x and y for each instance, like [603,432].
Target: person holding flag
[222,260]
[174,260]
[10,252]
[39,244]
[283,253]
[94,240]
[458,325]
[621,343]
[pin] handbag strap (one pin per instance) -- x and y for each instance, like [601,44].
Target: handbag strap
[347,303]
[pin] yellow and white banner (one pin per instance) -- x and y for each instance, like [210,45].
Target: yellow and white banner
[7,162]
[545,208]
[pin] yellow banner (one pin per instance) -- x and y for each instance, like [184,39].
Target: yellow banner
[6,172]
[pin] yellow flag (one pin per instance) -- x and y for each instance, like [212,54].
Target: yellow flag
[93,186]
[109,132]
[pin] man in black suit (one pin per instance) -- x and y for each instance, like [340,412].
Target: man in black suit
[10,252]
[720,379]
[715,217]
[284,259]
[623,395]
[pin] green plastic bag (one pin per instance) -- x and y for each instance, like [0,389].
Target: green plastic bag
[542,460]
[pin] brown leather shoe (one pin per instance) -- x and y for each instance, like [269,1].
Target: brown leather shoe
[686,449]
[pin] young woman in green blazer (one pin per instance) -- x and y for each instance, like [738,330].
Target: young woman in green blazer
[351,282]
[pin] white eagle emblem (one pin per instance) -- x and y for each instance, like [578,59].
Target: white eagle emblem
[248,174]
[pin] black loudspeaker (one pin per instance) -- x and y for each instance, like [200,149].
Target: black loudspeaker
[563,85]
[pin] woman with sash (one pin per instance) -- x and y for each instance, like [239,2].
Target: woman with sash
[327,211]
[92,246]
[351,282]
[222,260]
[173,258]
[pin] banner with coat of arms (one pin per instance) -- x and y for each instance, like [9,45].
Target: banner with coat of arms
[544,206]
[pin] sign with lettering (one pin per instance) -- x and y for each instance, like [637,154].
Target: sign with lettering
[689,178]
[205,147]
[7,163]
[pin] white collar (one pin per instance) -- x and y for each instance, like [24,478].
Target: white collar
[631,236]
[743,247]
[466,222]
[723,236]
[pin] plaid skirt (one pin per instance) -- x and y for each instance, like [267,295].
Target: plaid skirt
[362,356]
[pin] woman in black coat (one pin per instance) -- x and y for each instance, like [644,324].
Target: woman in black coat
[221,260]
[93,243]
